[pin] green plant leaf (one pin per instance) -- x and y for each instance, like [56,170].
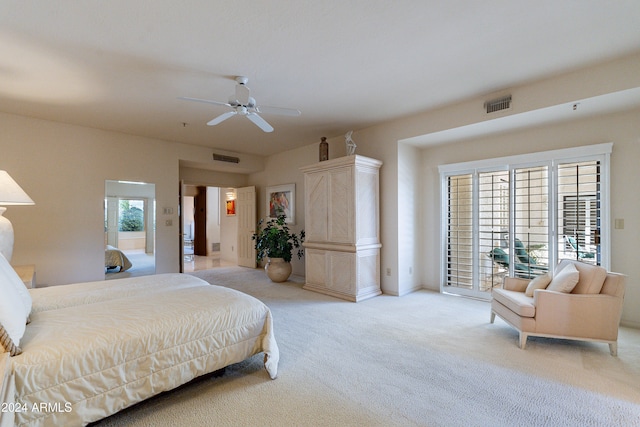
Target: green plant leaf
[274,239]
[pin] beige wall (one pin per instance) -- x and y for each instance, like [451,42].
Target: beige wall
[284,169]
[410,219]
[214,209]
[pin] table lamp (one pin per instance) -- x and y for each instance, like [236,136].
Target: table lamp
[10,194]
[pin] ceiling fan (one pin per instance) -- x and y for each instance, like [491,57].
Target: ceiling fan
[243,104]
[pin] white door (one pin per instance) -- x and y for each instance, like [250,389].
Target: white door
[246,214]
[112,221]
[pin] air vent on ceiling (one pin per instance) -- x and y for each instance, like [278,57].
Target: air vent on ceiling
[223,158]
[499,104]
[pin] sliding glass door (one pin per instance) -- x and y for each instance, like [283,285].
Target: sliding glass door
[493,227]
[519,220]
[530,238]
[579,211]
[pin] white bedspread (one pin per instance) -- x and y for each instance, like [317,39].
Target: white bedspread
[93,349]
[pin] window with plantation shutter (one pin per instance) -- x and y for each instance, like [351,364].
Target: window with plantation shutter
[520,215]
[579,211]
[493,227]
[459,231]
[530,221]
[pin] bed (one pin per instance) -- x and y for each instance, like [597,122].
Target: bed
[92,349]
[114,257]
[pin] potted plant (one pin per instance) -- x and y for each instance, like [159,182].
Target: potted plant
[275,241]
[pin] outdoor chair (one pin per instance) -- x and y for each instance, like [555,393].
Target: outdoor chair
[521,269]
[579,250]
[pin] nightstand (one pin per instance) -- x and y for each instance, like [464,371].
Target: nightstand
[27,274]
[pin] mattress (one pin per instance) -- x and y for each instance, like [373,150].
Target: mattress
[93,349]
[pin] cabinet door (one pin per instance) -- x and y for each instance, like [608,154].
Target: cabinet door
[340,206]
[316,195]
[342,271]
[315,267]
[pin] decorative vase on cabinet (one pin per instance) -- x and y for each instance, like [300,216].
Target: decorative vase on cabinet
[342,246]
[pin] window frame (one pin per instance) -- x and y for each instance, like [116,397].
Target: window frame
[552,159]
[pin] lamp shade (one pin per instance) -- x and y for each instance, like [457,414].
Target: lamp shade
[11,193]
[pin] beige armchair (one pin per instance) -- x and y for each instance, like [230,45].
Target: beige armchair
[590,311]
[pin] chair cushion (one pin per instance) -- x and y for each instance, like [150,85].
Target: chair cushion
[591,278]
[565,280]
[539,282]
[518,302]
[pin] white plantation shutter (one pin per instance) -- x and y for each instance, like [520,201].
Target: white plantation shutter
[493,226]
[459,231]
[530,226]
[579,203]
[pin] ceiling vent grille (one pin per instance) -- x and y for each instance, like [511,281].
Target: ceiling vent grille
[499,104]
[223,158]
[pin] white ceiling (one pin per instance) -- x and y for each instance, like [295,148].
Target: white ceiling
[122,64]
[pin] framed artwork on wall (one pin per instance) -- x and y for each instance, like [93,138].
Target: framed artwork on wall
[231,207]
[281,199]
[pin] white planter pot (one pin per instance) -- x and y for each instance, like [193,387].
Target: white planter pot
[278,269]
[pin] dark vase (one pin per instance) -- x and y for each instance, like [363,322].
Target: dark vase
[324,149]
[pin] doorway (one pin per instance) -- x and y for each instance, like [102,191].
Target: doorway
[209,227]
[129,226]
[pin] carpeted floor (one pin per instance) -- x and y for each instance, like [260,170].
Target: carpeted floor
[423,359]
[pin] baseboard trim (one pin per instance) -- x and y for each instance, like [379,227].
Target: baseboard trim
[630,324]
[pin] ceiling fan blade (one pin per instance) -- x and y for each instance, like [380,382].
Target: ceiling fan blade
[206,101]
[260,122]
[221,118]
[278,110]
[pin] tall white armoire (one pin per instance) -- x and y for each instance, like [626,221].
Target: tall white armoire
[342,226]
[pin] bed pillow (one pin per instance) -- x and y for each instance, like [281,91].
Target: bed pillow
[14,308]
[7,344]
[8,274]
[565,280]
[539,282]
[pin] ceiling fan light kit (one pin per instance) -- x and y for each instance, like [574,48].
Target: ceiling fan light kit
[241,103]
